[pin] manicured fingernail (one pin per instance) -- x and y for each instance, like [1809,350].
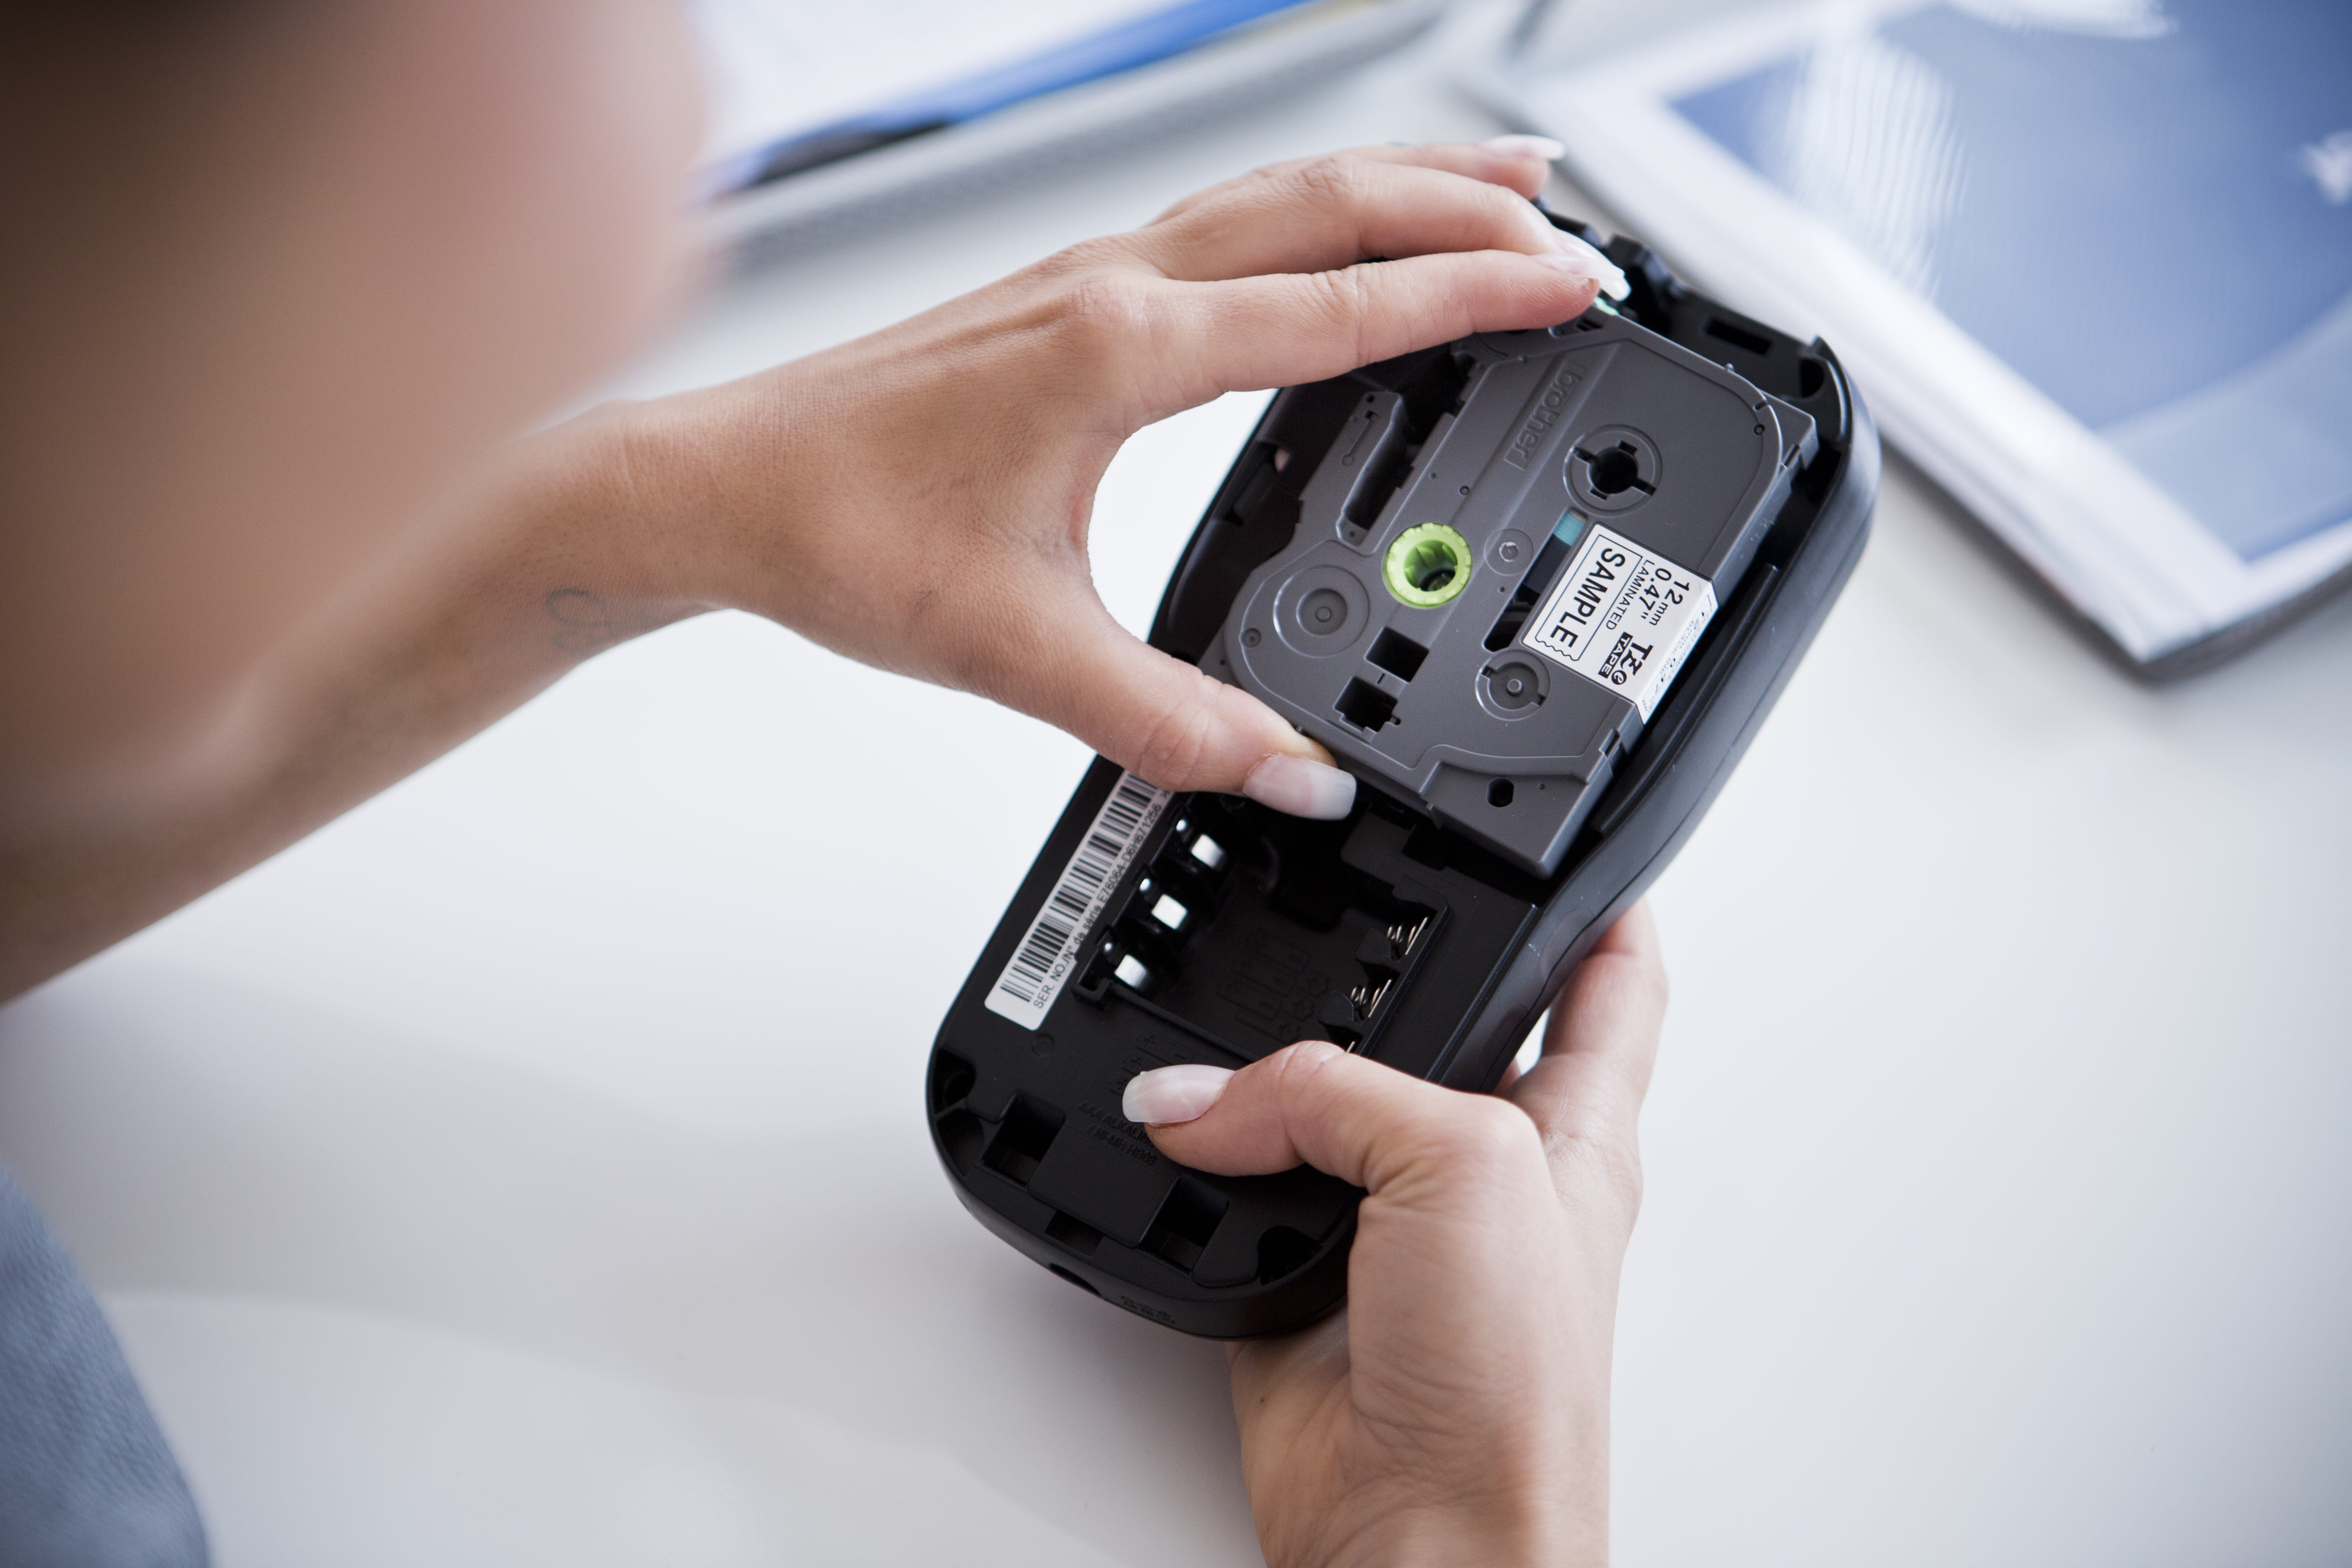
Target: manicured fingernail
[1165,1096]
[1301,787]
[1543,147]
[1575,255]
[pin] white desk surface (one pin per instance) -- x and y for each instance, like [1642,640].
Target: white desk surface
[530,1167]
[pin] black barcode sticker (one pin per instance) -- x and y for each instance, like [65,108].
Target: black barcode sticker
[1054,945]
[1624,615]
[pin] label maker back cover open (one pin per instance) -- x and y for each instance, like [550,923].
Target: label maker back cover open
[1536,590]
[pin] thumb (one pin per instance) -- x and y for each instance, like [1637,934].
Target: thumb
[1175,726]
[1316,1104]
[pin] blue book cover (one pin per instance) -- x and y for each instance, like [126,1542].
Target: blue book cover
[2152,224]
[2091,259]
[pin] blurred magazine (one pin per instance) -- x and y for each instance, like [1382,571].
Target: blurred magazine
[2089,260]
[822,108]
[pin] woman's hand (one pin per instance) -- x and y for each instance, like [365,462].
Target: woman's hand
[920,500]
[1457,1410]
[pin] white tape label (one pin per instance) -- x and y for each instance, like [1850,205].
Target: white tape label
[1624,615]
[1053,947]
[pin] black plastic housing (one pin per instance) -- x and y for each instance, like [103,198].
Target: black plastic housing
[1385,933]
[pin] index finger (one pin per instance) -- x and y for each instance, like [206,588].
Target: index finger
[1520,163]
[1285,328]
[1585,1094]
[1337,211]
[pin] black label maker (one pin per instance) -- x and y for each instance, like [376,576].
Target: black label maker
[1536,591]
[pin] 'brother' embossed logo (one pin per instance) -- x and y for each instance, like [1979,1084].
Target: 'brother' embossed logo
[1539,423]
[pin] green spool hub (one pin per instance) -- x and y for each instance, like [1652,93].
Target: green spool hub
[1428,565]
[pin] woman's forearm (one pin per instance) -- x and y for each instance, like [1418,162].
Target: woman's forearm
[529,569]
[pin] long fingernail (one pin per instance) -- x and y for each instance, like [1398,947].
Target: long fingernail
[1301,787]
[1165,1096]
[1582,260]
[1543,147]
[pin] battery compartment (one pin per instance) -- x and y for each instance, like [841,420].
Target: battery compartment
[1287,939]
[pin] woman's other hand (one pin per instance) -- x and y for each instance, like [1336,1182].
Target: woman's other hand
[920,498]
[1457,1409]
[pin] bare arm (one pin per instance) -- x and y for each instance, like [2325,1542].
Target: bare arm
[516,584]
[960,558]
